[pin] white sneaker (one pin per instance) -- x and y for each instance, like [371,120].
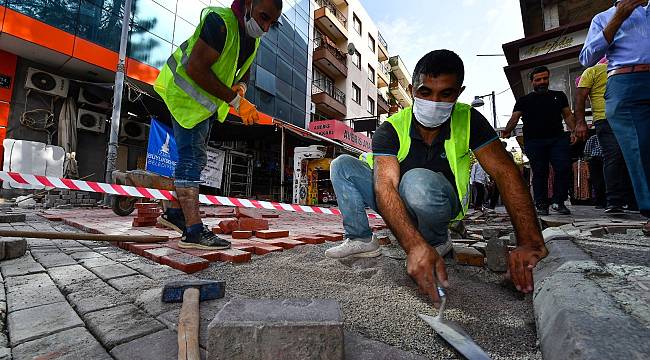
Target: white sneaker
[355,248]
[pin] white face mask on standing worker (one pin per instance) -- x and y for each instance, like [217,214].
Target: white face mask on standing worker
[253,28]
[432,114]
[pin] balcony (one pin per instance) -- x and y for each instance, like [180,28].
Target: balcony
[329,59]
[329,19]
[329,100]
[383,48]
[399,70]
[400,94]
[383,76]
[382,104]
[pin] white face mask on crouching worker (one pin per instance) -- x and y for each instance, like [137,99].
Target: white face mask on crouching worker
[253,28]
[432,114]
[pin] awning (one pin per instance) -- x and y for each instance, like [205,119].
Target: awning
[268,120]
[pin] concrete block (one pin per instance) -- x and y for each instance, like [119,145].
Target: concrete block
[497,254]
[50,259]
[132,283]
[10,217]
[489,233]
[358,347]
[112,271]
[162,345]
[90,263]
[72,344]
[30,291]
[13,247]
[153,270]
[121,324]
[277,329]
[97,296]
[65,276]
[21,266]
[36,322]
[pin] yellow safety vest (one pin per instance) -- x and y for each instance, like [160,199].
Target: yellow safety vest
[188,103]
[456,148]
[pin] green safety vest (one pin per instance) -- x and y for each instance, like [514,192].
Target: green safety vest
[188,103]
[456,148]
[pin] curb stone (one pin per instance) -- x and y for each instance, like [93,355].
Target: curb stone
[575,318]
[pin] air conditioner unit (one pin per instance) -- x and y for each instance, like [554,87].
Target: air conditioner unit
[86,97]
[91,121]
[134,130]
[47,83]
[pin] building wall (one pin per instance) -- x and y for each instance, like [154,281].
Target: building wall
[160,26]
[565,11]
[360,77]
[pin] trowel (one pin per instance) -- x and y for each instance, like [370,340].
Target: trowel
[453,334]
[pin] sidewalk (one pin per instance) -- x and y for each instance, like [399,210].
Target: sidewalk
[592,293]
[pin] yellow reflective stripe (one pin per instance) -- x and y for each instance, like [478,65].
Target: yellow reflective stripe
[189,89]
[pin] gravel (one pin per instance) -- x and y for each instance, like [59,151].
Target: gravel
[381,302]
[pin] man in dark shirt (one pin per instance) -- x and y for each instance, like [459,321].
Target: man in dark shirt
[545,140]
[409,179]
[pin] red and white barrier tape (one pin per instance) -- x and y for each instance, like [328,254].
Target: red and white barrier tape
[142,192]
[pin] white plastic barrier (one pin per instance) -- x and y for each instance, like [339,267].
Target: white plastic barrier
[31,157]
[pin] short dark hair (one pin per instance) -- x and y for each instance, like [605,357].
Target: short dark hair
[539,70]
[277,3]
[439,62]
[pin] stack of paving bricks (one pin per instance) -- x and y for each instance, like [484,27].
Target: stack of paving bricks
[147,213]
[253,235]
[57,197]
[474,250]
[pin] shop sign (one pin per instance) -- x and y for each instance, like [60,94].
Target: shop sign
[337,130]
[553,45]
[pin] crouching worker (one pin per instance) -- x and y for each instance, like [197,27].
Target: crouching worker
[418,178]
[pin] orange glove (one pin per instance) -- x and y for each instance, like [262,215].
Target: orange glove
[240,88]
[248,112]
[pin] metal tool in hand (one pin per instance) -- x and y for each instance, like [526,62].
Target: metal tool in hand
[453,334]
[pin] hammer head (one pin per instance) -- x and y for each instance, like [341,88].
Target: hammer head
[208,290]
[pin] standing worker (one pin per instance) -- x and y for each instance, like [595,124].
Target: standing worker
[622,33]
[618,188]
[479,180]
[545,140]
[204,77]
[418,176]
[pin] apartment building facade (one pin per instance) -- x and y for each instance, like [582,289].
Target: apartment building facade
[354,79]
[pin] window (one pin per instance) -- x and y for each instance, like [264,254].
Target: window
[371,74]
[356,59]
[371,42]
[371,105]
[356,94]
[357,23]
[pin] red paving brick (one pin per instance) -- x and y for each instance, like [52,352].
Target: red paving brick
[139,249]
[185,262]
[228,226]
[243,245]
[217,230]
[332,237]
[147,205]
[284,243]
[242,212]
[156,254]
[253,224]
[242,234]
[313,240]
[234,256]
[271,234]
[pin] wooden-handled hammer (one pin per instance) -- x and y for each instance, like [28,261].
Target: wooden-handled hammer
[191,292]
